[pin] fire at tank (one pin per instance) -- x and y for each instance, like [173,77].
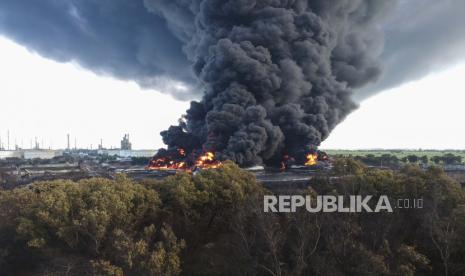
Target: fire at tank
[276,77]
[178,160]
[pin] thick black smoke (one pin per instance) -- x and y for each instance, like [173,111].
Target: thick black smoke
[124,39]
[277,74]
[422,37]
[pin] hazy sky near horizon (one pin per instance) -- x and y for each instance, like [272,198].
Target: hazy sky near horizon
[46,99]
[426,114]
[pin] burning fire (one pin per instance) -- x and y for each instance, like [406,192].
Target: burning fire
[312,159]
[180,160]
[208,161]
[284,162]
[205,161]
[166,164]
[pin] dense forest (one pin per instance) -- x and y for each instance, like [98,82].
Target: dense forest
[213,224]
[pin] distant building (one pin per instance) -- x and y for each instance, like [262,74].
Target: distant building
[41,154]
[127,153]
[30,154]
[10,154]
[125,143]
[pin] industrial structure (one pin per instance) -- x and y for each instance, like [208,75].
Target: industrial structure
[126,150]
[125,143]
[37,151]
[30,154]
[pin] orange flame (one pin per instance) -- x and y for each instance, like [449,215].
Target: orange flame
[166,164]
[312,159]
[283,162]
[208,161]
[205,161]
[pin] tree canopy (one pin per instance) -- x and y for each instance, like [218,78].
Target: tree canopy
[213,224]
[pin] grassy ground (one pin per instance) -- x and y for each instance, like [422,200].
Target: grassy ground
[398,153]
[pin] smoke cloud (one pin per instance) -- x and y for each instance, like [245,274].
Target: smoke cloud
[421,37]
[274,76]
[131,41]
[277,75]
[120,38]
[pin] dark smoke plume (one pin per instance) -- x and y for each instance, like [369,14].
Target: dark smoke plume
[277,74]
[422,37]
[127,40]
[120,38]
